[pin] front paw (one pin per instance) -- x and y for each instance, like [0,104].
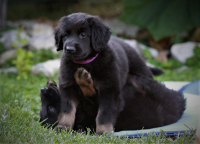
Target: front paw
[104,128]
[61,127]
[84,80]
[83,77]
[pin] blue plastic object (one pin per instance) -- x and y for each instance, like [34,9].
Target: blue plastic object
[191,88]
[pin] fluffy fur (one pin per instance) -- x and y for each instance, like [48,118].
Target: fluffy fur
[86,110]
[82,36]
[148,104]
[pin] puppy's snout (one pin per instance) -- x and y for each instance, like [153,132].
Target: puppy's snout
[71,49]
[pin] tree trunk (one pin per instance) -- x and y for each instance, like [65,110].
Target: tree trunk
[3,10]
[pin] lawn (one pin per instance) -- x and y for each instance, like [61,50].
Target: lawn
[20,105]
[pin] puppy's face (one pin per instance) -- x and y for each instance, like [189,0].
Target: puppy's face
[81,36]
[50,104]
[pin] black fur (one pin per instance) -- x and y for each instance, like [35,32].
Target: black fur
[148,104]
[50,99]
[86,35]
[85,115]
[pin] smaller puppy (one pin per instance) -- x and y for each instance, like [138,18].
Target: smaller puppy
[86,110]
[50,98]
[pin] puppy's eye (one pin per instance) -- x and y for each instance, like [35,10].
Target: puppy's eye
[83,35]
[51,109]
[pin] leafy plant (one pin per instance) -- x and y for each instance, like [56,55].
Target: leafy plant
[162,18]
[195,60]
[171,63]
[9,63]
[23,60]
[43,55]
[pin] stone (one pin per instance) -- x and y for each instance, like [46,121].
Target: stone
[183,51]
[42,29]
[121,29]
[133,43]
[48,68]
[6,55]
[8,70]
[42,42]
[140,48]
[7,38]
[33,28]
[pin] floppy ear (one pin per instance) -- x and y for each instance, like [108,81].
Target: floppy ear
[100,33]
[58,38]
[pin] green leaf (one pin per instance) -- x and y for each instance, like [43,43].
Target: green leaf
[23,41]
[162,18]
[14,44]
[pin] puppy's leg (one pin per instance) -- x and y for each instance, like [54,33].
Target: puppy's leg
[69,104]
[110,106]
[84,80]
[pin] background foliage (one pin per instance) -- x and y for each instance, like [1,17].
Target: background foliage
[162,17]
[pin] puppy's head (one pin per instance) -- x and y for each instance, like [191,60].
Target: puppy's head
[81,35]
[50,104]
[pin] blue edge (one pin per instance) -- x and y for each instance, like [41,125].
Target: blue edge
[167,133]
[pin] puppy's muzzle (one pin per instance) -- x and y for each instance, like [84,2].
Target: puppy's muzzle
[71,49]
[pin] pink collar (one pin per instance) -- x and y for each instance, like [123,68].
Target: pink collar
[87,61]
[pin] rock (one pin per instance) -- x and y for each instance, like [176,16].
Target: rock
[136,46]
[183,51]
[121,29]
[48,68]
[140,48]
[42,42]
[33,28]
[8,70]
[6,55]
[42,29]
[7,38]
[26,24]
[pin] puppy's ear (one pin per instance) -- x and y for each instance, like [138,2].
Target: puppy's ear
[100,34]
[58,38]
[51,83]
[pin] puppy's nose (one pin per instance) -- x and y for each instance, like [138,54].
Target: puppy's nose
[71,49]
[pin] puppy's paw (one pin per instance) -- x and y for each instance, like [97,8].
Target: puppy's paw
[61,127]
[83,77]
[84,80]
[105,128]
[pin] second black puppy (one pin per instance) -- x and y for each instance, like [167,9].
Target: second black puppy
[86,110]
[147,105]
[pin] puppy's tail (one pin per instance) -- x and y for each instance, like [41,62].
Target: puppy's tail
[156,71]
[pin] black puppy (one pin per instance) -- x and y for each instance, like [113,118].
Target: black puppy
[50,99]
[86,43]
[86,110]
[147,105]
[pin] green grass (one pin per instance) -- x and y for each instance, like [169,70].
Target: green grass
[190,74]
[19,110]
